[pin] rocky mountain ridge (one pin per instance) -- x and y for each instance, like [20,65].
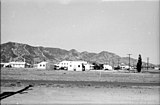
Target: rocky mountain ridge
[13,51]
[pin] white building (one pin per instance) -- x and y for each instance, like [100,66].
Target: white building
[89,66]
[64,64]
[4,64]
[125,67]
[17,64]
[41,65]
[157,68]
[75,65]
[107,67]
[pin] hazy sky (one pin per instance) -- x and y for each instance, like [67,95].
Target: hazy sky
[120,27]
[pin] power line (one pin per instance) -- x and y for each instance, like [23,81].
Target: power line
[118,61]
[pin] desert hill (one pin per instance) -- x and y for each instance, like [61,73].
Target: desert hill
[13,51]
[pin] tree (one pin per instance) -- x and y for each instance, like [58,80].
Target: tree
[139,64]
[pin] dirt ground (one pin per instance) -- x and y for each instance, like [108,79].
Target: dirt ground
[90,87]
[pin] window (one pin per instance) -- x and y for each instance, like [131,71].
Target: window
[70,65]
[40,65]
[78,65]
[44,65]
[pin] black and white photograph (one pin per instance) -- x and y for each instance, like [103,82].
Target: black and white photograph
[80,52]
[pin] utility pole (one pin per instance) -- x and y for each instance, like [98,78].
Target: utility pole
[147,63]
[113,63]
[129,60]
[118,62]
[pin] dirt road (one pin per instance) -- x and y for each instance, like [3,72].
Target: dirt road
[84,95]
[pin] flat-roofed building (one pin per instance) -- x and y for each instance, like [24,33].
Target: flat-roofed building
[17,64]
[75,65]
[41,65]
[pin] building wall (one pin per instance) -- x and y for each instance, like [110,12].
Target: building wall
[41,65]
[4,64]
[72,65]
[107,67]
[88,67]
[125,67]
[65,64]
[17,64]
[75,66]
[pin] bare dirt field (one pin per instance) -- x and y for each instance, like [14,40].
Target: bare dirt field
[89,87]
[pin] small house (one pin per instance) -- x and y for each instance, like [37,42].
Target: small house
[88,66]
[107,67]
[41,65]
[77,66]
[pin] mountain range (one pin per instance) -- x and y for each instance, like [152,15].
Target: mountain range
[12,51]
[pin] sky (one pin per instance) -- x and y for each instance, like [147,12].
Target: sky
[120,27]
